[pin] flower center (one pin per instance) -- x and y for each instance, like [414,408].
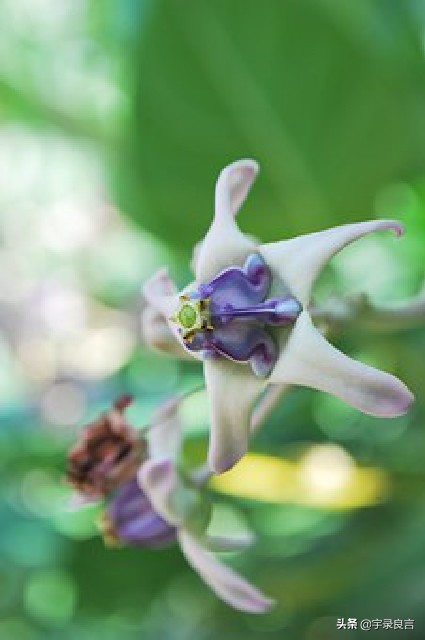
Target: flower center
[187,316]
[231,316]
[192,317]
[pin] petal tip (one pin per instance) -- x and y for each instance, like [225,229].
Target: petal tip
[398,228]
[228,585]
[256,604]
[251,165]
[398,404]
[159,284]
[244,164]
[152,469]
[403,403]
[220,463]
[265,605]
[233,185]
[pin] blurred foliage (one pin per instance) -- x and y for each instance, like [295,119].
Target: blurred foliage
[112,107]
[326,95]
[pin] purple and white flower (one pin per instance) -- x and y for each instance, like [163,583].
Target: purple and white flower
[156,505]
[160,507]
[247,317]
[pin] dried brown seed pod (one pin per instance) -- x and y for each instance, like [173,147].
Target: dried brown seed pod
[108,454]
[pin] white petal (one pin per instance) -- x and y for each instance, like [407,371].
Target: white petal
[308,359]
[173,499]
[233,185]
[157,334]
[232,390]
[225,245]
[161,293]
[195,255]
[300,260]
[161,483]
[226,583]
[166,432]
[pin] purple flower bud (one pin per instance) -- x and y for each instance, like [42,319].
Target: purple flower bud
[131,520]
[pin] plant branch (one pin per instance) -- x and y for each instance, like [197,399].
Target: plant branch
[338,313]
[269,401]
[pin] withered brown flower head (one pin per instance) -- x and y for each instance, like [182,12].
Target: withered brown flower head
[109,453]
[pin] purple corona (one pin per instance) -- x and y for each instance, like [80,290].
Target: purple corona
[131,520]
[231,316]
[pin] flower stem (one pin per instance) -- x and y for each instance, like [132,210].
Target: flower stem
[271,398]
[338,313]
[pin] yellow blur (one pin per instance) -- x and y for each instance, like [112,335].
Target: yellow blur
[323,476]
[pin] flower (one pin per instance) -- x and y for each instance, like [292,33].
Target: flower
[157,334]
[247,317]
[109,453]
[158,506]
[130,519]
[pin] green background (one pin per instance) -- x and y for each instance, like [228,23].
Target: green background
[115,118]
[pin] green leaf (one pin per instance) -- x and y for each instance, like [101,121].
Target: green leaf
[326,95]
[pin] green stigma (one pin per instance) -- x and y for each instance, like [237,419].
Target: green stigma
[187,316]
[192,316]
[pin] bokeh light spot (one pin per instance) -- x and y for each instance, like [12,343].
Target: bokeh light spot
[326,470]
[50,597]
[324,476]
[63,404]
[102,351]
[80,524]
